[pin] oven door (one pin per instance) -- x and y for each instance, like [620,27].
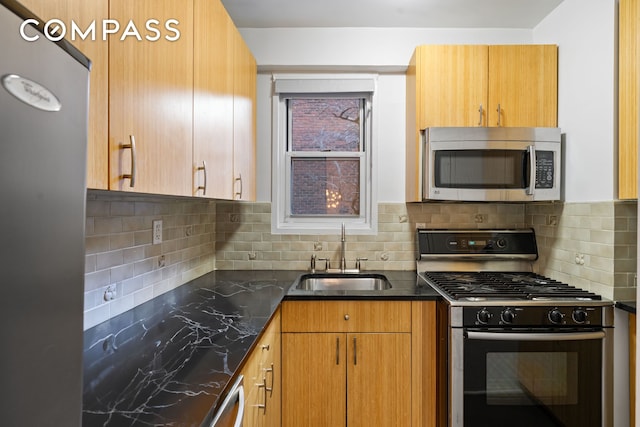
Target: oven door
[529,379]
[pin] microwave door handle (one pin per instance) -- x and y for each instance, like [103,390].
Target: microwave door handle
[531,150]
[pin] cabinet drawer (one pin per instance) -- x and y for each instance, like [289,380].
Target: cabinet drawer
[346,316]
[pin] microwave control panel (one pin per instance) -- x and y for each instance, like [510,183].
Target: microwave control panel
[544,169]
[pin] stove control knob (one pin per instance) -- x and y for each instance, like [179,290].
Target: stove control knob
[484,316]
[501,243]
[579,315]
[556,316]
[507,315]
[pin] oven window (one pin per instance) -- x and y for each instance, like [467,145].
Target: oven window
[537,383]
[532,378]
[481,169]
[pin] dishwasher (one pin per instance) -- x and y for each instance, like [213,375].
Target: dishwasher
[231,411]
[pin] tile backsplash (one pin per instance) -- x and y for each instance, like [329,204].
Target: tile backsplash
[244,239]
[591,245]
[123,268]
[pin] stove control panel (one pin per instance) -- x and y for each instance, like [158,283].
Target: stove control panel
[531,316]
[435,243]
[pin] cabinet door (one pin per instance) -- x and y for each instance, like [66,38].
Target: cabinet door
[379,380]
[273,375]
[628,100]
[313,380]
[523,81]
[254,405]
[213,100]
[451,83]
[262,379]
[84,12]
[244,119]
[151,99]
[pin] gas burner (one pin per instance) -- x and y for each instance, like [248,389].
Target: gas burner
[500,285]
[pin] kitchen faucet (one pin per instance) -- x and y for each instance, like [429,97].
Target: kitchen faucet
[343,261]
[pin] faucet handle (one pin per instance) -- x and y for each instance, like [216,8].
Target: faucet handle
[326,263]
[358,262]
[312,268]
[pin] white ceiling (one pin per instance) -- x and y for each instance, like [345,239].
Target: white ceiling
[389,13]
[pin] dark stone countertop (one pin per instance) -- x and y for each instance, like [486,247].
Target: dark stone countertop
[629,306]
[168,361]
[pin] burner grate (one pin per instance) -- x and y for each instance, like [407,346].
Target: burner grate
[498,285]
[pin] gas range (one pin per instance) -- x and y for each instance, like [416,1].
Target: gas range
[514,344]
[490,274]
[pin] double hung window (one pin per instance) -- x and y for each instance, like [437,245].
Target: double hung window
[323,155]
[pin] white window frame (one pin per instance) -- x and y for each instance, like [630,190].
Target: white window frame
[325,85]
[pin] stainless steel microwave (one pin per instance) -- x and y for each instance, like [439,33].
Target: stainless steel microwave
[492,164]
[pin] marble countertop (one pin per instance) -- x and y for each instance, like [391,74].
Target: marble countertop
[168,361]
[629,306]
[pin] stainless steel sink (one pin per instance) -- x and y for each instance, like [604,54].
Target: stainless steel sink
[342,282]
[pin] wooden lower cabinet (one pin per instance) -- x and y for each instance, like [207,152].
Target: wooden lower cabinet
[351,375]
[262,379]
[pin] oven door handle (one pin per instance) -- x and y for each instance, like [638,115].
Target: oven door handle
[534,336]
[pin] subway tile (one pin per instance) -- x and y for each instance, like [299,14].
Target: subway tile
[97,244]
[121,272]
[107,225]
[96,315]
[121,241]
[109,259]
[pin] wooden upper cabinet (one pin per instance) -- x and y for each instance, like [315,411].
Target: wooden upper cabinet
[452,85]
[151,100]
[83,12]
[244,121]
[523,82]
[224,136]
[463,85]
[213,100]
[628,91]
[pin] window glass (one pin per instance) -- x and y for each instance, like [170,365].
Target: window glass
[325,186]
[330,124]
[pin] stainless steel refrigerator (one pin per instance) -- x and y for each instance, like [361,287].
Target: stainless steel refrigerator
[43,139]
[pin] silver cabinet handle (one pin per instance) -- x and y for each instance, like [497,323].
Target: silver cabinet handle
[355,351]
[239,194]
[263,385]
[480,119]
[132,146]
[337,350]
[203,187]
[273,379]
[499,110]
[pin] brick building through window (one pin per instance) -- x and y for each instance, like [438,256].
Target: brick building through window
[325,185]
